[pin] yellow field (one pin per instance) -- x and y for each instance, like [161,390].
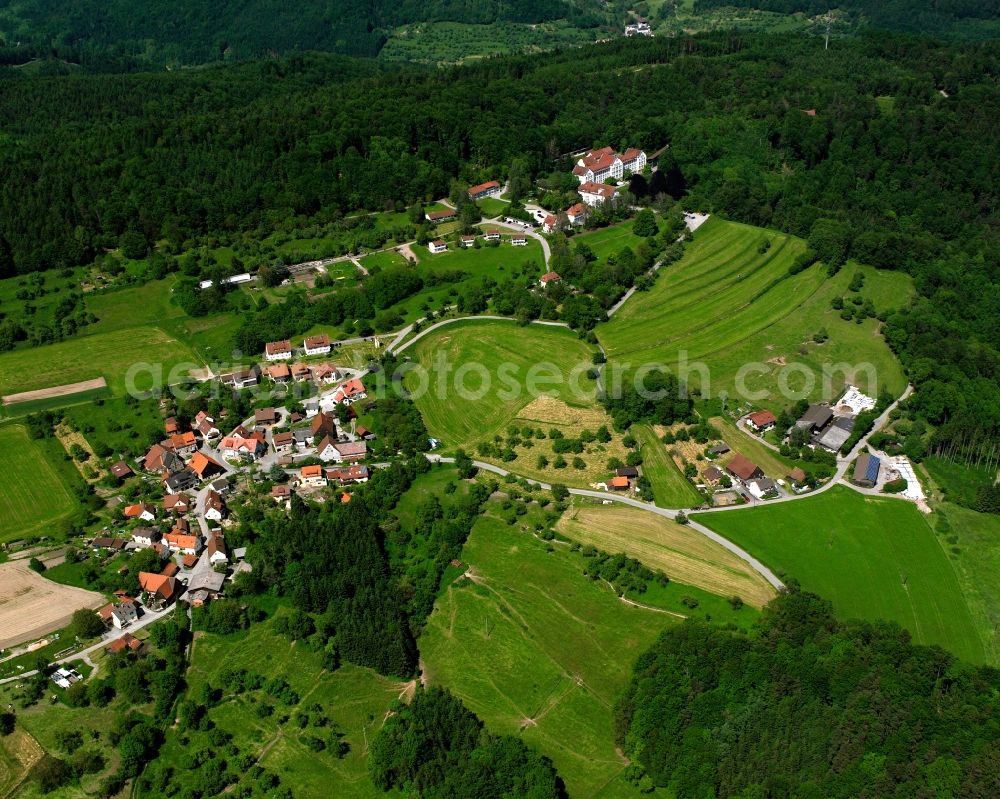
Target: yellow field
[659,543]
[31,606]
[546,413]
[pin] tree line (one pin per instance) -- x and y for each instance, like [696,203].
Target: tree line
[805,705]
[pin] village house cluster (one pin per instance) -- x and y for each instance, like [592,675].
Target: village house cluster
[201,462]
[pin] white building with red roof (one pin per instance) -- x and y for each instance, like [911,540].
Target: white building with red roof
[595,194]
[549,277]
[596,166]
[489,189]
[278,350]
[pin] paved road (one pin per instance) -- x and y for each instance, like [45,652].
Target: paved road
[742,554]
[84,654]
[527,231]
[604,496]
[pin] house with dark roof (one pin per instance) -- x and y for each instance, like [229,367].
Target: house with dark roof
[631,472]
[265,416]
[744,469]
[324,424]
[866,470]
[241,377]
[184,480]
[122,471]
[712,475]
[816,418]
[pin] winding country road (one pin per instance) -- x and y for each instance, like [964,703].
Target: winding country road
[842,465]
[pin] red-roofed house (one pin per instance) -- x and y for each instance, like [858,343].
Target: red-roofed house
[761,421]
[325,373]
[744,469]
[185,543]
[351,391]
[177,503]
[519,240]
[183,443]
[279,372]
[352,474]
[205,425]
[204,466]
[160,589]
[597,193]
[278,350]
[441,216]
[141,510]
[577,214]
[122,470]
[437,247]
[468,241]
[633,160]
[127,643]
[312,476]
[492,235]
[549,277]
[317,345]
[488,189]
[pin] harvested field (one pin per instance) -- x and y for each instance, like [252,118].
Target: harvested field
[56,391]
[549,410]
[660,543]
[31,606]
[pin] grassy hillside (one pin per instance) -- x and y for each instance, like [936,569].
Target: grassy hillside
[459,421]
[873,558]
[534,647]
[686,556]
[972,541]
[730,303]
[35,494]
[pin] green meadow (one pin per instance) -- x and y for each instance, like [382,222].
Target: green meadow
[872,558]
[108,355]
[670,488]
[972,542]
[535,648]
[491,404]
[354,702]
[728,304]
[34,488]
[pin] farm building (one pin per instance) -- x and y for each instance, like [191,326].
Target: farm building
[441,216]
[866,471]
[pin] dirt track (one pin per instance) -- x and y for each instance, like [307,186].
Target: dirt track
[56,391]
[31,606]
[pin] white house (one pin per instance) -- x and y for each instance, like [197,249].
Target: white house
[217,552]
[145,536]
[215,508]
[349,451]
[278,350]
[519,240]
[312,476]
[597,166]
[437,247]
[317,345]
[595,194]
[468,241]
[242,377]
[633,160]
[492,235]
[577,214]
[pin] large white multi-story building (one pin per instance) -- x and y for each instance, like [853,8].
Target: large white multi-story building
[596,166]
